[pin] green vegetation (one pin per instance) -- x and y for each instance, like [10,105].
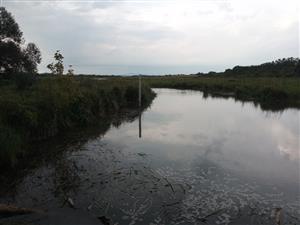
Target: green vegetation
[35,107]
[286,67]
[270,92]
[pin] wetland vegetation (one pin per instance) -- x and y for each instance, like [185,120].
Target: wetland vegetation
[275,93]
[44,107]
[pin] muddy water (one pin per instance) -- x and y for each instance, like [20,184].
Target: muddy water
[199,161]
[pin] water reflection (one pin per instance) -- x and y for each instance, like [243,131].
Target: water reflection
[140,123]
[199,161]
[182,129]
[274,105]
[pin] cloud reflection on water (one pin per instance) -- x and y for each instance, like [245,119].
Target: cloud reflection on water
[182,125]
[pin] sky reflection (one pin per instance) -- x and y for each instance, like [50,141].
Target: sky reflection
[182,126]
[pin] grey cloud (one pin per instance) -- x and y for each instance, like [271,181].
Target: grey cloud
[121,37]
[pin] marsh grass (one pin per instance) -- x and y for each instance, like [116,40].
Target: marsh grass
[269,92]
[47,106]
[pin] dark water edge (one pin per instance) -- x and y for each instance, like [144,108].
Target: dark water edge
[77,171]
[55,151]
[45,151]
[265,104]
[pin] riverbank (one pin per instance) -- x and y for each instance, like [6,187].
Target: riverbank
[271,93]
[36,108]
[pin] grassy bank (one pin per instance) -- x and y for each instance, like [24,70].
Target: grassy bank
[273,93]
[36,108]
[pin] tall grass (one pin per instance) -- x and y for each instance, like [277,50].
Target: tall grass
[47,106]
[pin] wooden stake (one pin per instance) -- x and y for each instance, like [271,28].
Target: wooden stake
[140,106]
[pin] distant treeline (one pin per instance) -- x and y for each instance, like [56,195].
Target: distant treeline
[286,67]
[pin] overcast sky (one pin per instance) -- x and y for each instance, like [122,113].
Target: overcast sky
[159,36]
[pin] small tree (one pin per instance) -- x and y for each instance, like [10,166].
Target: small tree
[32,57]
[70,71]
[57,67]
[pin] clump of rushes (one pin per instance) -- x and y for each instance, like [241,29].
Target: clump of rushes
[53,104]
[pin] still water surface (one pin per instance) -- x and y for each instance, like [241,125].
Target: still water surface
[199,161]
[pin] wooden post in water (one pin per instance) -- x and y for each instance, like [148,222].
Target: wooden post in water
[140,90]
[140,124]
[140,106]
